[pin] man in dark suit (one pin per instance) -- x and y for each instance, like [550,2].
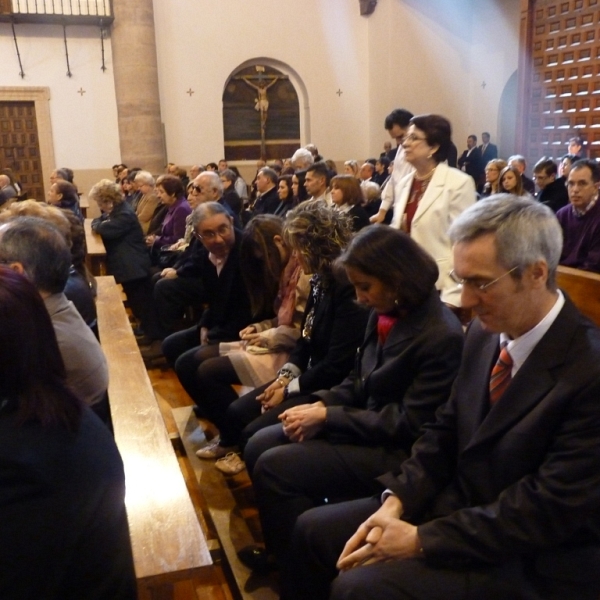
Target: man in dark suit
[553,191]
[470,160]
[266,184]
[488,151]
[501,495]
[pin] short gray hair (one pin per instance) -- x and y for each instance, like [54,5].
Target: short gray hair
[302,159]
[206,210]
[525,231]
[42,250]
[518,158]
[214,180]
[144,177]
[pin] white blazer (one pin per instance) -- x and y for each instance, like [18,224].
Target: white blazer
[449,192]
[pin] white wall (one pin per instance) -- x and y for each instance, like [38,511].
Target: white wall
[433,57]
[325,43]
[84,126]
[427,56]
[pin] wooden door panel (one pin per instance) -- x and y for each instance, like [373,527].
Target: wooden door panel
[19,146]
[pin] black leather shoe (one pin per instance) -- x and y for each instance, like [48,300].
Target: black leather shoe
[257,558]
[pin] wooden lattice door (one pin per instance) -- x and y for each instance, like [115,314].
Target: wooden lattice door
[562,93]
[19,146]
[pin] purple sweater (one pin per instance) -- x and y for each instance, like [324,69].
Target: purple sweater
[173,227]
[581,246]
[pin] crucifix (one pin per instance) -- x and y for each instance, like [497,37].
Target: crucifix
[262,102]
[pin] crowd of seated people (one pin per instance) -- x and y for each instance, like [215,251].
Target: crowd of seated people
[378,447]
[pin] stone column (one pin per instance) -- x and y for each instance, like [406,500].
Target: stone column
[136,83]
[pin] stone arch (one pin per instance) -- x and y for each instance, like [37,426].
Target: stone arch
[279,115]
[507,118]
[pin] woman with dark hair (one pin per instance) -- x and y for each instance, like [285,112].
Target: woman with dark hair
[366,426]
[332,327]
[62,478]
[300,193]
[171,193]
[285,192]
[434,194]
[63,194]
[347,197]
[276,285]
[240,186]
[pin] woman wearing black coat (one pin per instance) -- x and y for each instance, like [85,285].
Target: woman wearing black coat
[127,257]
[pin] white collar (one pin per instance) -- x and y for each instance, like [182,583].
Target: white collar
[520,348]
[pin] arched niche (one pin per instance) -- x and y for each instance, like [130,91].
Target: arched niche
[265,111]
[507,118]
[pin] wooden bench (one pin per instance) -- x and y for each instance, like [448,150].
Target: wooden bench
[583,287]
[84,205]
[167,540]
[96,252]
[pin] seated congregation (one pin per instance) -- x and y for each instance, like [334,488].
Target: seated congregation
[392,454]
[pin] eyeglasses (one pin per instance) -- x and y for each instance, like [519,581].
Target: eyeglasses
[473,283]
[196,189]
[209,236]
[411,137]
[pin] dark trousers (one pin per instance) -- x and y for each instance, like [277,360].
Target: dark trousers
[173,296]
[185,354]
[291,478]
[245,418]
[321,533]
[139,298]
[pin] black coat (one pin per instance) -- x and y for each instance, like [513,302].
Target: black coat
[338,329]
[395,389]
[555,194]
[127,256]
[267,203]
[226,295]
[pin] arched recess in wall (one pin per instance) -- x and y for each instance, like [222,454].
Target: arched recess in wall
[265,111]
[507,118]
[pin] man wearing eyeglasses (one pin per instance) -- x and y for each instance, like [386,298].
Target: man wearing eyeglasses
[501,495]
[225,296]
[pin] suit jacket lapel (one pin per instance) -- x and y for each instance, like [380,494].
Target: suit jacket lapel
[433,192]
[533,381]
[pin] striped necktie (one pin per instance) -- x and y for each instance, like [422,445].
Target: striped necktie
[501,375]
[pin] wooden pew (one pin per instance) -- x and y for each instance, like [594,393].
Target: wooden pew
[168,543]
[84,205]
[583,287]
[96,252]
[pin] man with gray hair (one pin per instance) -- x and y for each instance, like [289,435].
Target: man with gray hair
[302,159]
[148,202]
[34,247]
[501,495]
[227,312]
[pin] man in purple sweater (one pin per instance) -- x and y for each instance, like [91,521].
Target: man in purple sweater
[580,220]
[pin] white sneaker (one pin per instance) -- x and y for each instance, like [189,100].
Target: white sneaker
[213,450]
[231,464]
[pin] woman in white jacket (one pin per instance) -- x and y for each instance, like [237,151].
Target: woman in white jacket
[433,196]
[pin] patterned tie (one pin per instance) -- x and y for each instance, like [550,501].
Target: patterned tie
[501,376]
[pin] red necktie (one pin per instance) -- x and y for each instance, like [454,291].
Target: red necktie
[501,375]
